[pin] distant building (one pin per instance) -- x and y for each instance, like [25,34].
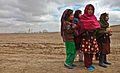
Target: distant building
[45,31]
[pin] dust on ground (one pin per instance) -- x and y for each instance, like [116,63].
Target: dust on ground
[45,53]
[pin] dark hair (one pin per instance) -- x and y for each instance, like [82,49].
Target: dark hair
[91,6]
[68,13]
[76,14]
[103,16]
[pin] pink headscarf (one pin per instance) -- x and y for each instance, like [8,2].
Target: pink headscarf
[89,21]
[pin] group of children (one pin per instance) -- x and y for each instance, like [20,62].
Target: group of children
[85,35]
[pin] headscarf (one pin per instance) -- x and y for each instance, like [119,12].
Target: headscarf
[102,21]
[89,21]
[104,24]
[76,14]
[63,24]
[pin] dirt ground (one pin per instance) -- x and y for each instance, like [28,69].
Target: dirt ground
[45,53]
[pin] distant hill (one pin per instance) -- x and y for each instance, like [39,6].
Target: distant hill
[115,28]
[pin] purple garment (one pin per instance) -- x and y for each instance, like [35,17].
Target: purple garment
[76,21]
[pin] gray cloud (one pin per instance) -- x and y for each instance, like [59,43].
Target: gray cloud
[110,3]
[20,15]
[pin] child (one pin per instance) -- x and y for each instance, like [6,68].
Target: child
[87,29]
[103,39]
[77,15]
[67,29]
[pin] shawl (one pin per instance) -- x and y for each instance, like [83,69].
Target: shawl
[89,21]
[63,25]
[103,24]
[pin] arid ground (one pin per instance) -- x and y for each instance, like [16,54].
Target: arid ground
[45,53]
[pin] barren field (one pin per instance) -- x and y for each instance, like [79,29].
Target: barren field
[45,53]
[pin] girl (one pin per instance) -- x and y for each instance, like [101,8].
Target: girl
[103,39]
[87,29]
[67,29]
[77,15]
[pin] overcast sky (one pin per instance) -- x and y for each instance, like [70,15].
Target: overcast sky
[39,15]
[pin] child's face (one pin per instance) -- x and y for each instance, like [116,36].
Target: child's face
[71,17]
[90,10]
[80,15]
[107,18]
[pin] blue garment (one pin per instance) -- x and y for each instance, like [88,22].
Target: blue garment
[75,20]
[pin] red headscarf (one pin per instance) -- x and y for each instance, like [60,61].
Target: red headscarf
[89,21]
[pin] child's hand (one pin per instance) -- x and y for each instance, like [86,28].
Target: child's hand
[68,23]
[74,26]
[107,32]
[110,33]
[108,29]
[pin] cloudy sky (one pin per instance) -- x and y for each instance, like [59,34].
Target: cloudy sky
[39,15]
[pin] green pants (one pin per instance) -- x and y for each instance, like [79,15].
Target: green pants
[70,51]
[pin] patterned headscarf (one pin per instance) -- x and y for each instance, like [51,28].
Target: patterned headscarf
[63,19]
